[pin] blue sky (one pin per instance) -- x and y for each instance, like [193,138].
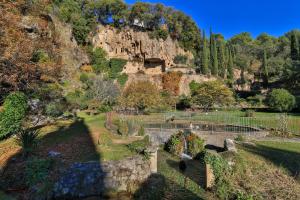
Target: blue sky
[231,17]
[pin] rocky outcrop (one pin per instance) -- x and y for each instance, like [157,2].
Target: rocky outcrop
[72,56]
[152,56]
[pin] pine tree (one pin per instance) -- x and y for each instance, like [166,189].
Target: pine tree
[230,65]
[204,58]
[265,69]
[294,47]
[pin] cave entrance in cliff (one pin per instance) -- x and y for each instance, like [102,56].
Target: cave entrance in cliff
[155,64]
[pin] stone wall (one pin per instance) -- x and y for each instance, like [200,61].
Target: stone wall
[95,178]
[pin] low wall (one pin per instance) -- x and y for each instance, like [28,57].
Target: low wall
[95,178]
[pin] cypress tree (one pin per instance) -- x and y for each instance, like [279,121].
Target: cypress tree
[265,69]
[230,65]
[222,60]
[211,50]
[204,58]
[294,47]
[214,69]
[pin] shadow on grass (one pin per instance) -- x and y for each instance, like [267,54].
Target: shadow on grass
[157,187]
[73,143]
[282,158]
[194,170]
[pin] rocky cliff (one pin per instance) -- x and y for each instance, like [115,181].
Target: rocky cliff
[149,55]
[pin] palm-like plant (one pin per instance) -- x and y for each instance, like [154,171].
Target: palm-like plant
[27,139]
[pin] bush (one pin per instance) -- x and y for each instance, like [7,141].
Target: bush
[84,78]
[141,131]
[281,100]
[28,140]
[140,146]
[175,145]
[40,56]
[180,59]
[159,33]
[14,111]
[122,79]
[195,145]
[122,127]
[240,138]
[37,171]
[116,67]
[54,109]
[105,108]
[249,113]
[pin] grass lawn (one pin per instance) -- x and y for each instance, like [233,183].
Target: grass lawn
[260,119]
[170,183]
[268,170]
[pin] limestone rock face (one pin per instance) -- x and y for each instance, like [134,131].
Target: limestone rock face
[143,53]
[72,56]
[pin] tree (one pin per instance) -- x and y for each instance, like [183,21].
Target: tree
[294,47]
[213,54]
[230,65]
[98,60]
[140,96]
[14,111]
[204,57]
[281,100]
[221,59]
[265,69]
[210,93]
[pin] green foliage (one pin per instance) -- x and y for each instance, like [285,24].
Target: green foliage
[54,109]
[76,100]
[37,171]
[195,145]
[211,93]
[123,128]
[175,145]
[72,12]
[139,146]
[122,79]
[205,56]
[40,56]
[281,100]
[14,111]
[180,59]
[116,66]
[249,113]
[141,131]
[159,34]
[98,60]
[240,138]
[221,169]
[28,140]
[84,78]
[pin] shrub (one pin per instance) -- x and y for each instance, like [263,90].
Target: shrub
[195,145]
[141,131]
[180,59]
[140,145]
[240,138]
[249,113]
[28,140]
[14,111]
[220,169]
[175,144]
[116,66]
[40,56]
[122,79]
[122,128]
[159,33]
[281,100]
[37,171]
[84,78]
[105,108]
[54,109]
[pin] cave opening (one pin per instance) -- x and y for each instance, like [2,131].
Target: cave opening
[152,63]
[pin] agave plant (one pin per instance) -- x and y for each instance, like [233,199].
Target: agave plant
[27,139]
